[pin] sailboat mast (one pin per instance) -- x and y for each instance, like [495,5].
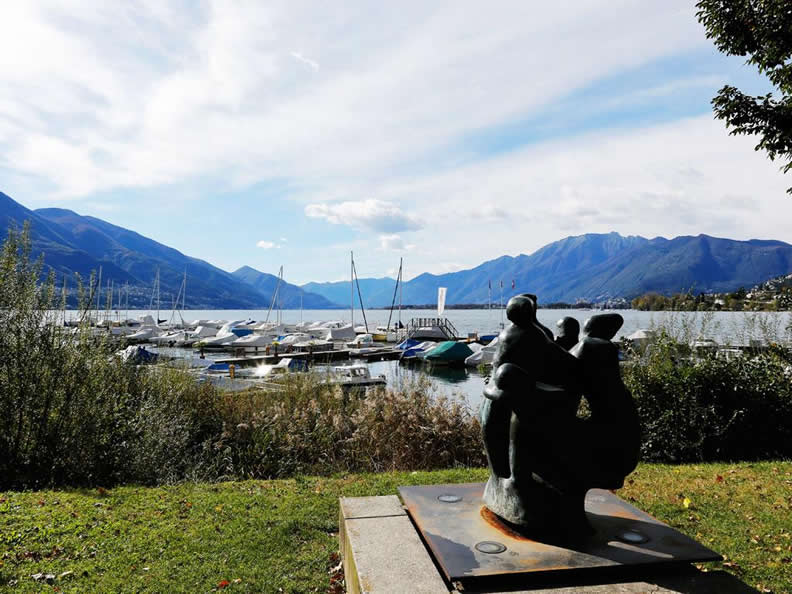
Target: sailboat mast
[158,297]
[63,300]
[280,298]
[400,289]
[501,302]
[109,305]
[98,294]
[352,289]
[396,288]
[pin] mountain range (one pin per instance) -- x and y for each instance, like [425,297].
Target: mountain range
[591,267]
[594,267]
[72,243]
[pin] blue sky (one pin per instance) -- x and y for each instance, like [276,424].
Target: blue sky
[445,133]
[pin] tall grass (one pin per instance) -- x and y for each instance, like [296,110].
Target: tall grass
[312,427]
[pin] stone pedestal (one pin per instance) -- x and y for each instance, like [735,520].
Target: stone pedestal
[381,550]
[385,549]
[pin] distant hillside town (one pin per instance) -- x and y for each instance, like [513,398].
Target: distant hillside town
[772,295]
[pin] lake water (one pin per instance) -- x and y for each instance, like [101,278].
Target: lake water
[736,328]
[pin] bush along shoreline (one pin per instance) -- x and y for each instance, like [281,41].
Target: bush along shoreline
[73,414]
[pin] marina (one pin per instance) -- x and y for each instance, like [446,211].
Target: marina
[210,338]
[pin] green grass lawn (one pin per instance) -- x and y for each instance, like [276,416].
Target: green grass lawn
[271,536]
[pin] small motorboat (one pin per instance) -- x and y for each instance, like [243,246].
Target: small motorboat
[354,375]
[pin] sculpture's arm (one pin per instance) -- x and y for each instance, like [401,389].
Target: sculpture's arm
[508,379]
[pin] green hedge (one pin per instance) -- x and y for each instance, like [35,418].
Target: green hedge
[709,408]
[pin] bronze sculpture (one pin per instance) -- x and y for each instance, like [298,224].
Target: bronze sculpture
[542,457]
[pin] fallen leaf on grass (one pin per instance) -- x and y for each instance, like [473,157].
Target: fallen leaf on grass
[686,503]
[719,479]
[223,584]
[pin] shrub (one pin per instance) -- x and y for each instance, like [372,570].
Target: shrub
[709,408]
[71,412]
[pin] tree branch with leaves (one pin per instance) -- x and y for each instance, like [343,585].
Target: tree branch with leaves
[760,30]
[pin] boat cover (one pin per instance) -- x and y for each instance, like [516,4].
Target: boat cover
[484,355]
[342,333]
[449,352]
[408,344]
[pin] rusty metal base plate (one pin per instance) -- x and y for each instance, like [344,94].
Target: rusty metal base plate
[467,542]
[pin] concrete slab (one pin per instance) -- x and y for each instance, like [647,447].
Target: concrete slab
[381,551]
[371,507]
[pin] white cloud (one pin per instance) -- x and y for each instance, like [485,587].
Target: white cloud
[394,243]
[267,245]
[136,95]
[298,56]
[376,215]
[687,177]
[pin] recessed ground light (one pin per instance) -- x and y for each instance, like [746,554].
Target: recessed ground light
[490,547]
[449,498]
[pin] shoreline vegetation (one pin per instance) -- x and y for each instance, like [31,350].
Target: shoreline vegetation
[72,413]
[75,417]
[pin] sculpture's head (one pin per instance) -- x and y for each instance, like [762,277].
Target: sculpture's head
[521,310]
[604,326]
[568,327]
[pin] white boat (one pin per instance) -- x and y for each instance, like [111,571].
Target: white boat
[425,348]
[361,340]
[273,372]
[148,330]
[357,374]
[313,344]
[272,329]
[254,341]
[484,354]
[223,337]
[640,338]
[340,333]
[417,351]
[296,337]
[171,338]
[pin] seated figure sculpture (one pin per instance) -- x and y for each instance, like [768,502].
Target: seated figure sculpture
[542,457]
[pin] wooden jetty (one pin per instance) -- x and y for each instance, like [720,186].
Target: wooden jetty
[384,354]
[312,357]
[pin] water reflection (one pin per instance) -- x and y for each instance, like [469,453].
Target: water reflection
[463,383]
